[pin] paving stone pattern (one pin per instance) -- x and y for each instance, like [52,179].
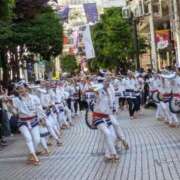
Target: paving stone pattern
[154,154]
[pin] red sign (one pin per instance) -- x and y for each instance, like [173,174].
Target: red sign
[162,39]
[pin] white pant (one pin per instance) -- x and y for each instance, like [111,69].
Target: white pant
[118,131]
[62,119]
[165,111]
[43,139]
[68,113]
[168,115]
[49,124]
[109,139]
[32,137]
[159,111]
[55,123]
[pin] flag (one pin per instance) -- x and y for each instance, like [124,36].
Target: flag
[86,38]
[75,35]
[63,12]
[91,12]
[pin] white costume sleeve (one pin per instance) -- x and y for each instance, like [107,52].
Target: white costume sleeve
[39,110]
[21,108]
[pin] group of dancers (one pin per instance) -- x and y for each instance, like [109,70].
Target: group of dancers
[165,92]
[46,108]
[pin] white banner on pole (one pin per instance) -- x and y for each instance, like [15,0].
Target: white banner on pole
[88,44]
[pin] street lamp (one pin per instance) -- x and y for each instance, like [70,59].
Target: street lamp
[128,14]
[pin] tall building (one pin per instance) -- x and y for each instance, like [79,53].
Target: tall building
[158,22]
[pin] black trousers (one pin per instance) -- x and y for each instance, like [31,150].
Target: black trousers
[76,102]
[122,101]
[145,96]
[137,103]
[1,132]
[132,106]
[68,101]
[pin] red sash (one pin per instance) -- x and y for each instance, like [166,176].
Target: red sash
[27,118]
[176,95]
[98,115]
[166,95]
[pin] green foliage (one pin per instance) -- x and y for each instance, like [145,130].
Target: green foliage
[28,9]
[37,30]
[69,64]
[46,35]
[113,41]
[6,14]
[6,7]
[5,34]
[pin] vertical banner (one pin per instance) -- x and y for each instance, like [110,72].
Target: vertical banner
[162,39]
[86,37]
[91,12]
[75,38]
[63,12]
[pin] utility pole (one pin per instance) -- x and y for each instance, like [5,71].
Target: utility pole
[153,41]
[136,42]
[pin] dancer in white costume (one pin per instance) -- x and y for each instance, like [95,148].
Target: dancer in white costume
[103,120]
[47,106]
[25,106]
[60,106]
[42,126]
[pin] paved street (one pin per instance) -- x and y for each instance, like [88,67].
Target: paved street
[154,155]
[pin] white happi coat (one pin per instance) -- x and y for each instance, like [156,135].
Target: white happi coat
[27,106]
[103,104]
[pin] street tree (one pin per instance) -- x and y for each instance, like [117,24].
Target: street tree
[113,41]
[27,26]
[69,64]
[6,14]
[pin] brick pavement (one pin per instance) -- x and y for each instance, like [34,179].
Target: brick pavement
[154,155]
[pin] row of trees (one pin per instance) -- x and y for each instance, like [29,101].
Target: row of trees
[28,28]
[113,41]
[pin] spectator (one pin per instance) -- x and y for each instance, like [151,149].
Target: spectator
[4,113]
[2,141]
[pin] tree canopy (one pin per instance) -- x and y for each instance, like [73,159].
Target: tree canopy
[69,64]
[28,26]
[113,40]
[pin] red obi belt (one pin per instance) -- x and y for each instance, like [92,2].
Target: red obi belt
[27,118]
[98,115]
[176,95]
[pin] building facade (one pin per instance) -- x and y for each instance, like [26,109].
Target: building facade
[158,22]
